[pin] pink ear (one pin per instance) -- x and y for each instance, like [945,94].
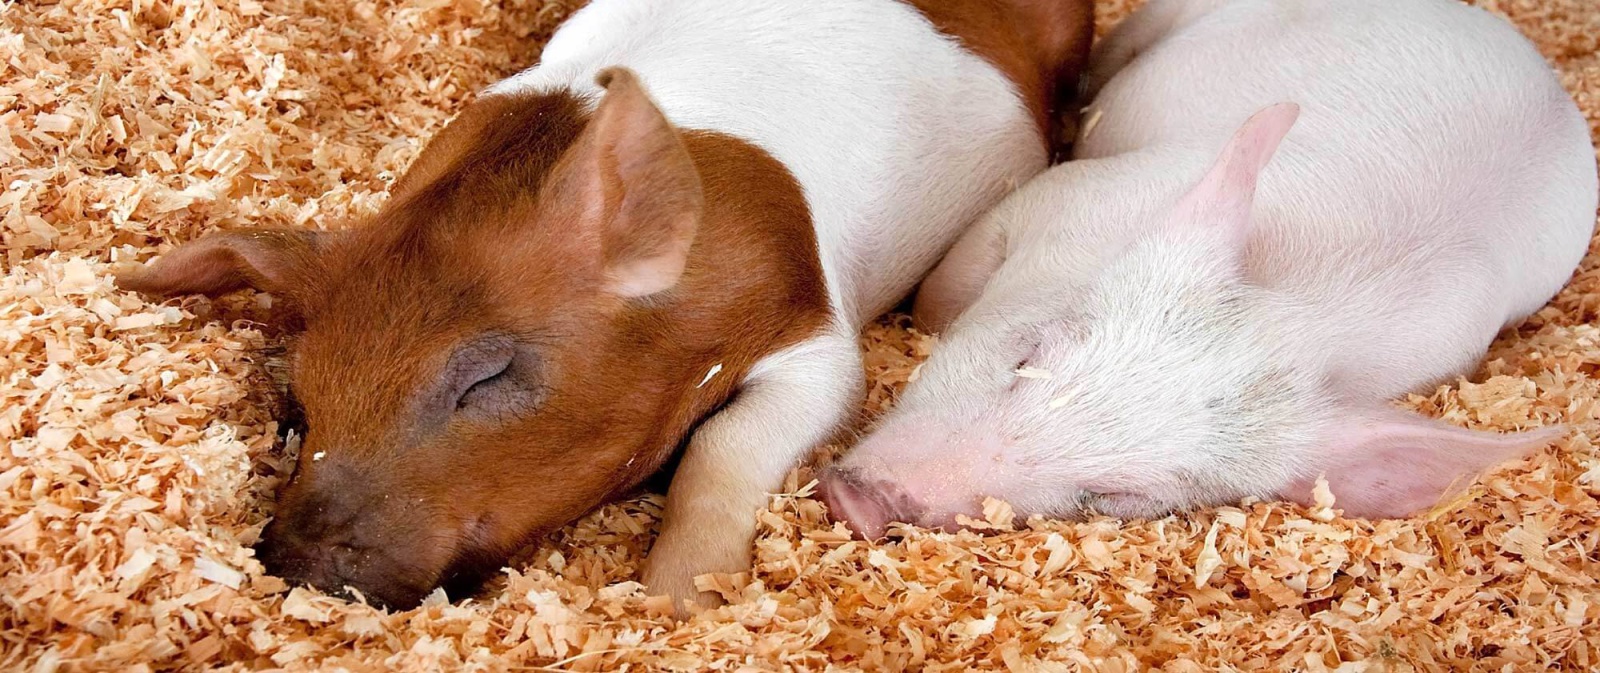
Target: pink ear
[630,180]
[1397,464]
[1224,196]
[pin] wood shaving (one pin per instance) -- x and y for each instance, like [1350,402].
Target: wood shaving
[710,374]
[1091,122]
[142,446]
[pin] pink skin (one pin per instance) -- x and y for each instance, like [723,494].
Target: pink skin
[865,506]
[1223,340]
[916,473]
[1170,383]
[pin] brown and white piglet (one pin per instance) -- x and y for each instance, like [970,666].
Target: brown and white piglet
[664,236]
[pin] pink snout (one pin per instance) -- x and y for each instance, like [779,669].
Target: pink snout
[867,506]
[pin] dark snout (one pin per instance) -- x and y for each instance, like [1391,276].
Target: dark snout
[866,505]
[334,533]
[337,568]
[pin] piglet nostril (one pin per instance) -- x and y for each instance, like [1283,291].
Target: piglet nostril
[338,568]
[866,507]
[271,552]
[288,555]
[283,559]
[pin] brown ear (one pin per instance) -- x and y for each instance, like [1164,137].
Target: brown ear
[280,261]
[630,182]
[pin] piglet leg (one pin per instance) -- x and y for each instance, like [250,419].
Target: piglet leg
[960,277]
[791,402]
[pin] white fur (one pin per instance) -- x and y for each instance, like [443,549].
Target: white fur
[790,403]
[1439,185]
[899,139]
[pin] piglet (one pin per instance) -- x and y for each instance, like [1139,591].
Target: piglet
[664,237]
[1281,215]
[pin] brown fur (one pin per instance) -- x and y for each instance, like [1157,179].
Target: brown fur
[1040,45]
[402,501]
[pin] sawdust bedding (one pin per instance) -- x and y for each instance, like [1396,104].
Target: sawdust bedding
[141,445]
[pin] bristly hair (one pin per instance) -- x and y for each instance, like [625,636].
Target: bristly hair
[503,149]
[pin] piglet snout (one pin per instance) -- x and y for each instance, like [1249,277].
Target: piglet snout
[333,532]
[336,567]
[866,506]
[300,560]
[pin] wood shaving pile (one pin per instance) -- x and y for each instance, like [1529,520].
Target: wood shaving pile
[141,447]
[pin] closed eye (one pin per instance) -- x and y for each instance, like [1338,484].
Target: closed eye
[477,390]
[494,378]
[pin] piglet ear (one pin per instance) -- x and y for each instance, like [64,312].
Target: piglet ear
[1395,464]
[279,261]
[629,181]
[1224,196]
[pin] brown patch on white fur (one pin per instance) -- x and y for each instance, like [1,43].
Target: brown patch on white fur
[485,237]
[1040,45]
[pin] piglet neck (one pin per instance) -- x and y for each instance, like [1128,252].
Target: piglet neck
[753,285]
